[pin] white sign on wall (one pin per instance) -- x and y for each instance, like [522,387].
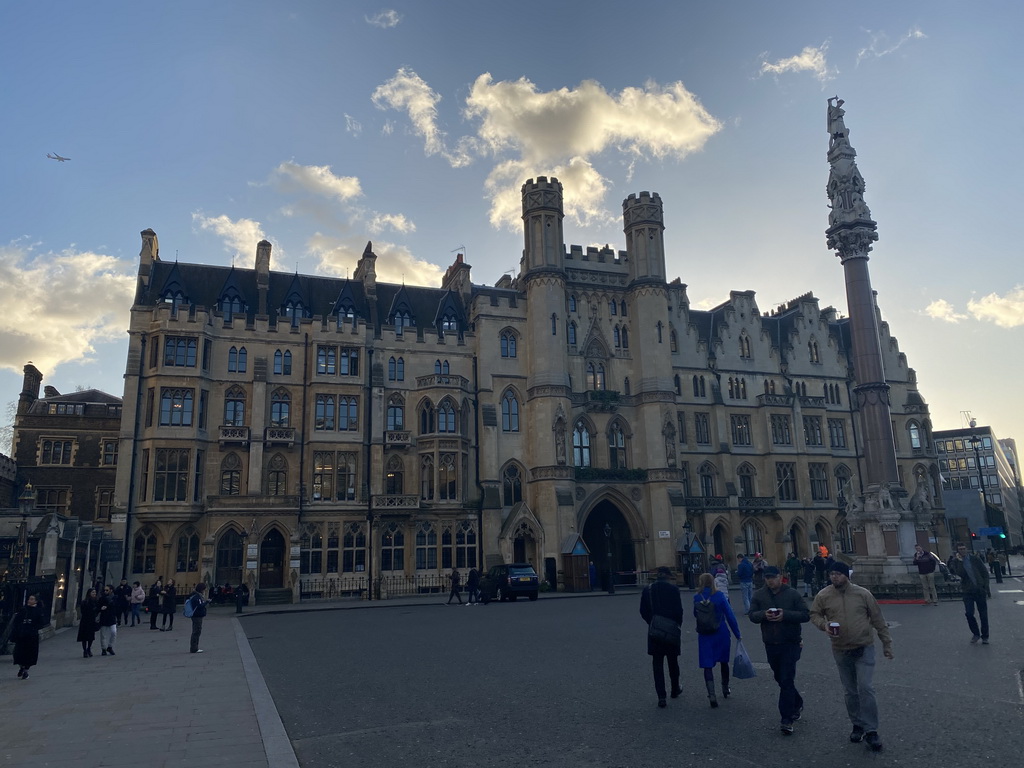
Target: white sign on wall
[664,534]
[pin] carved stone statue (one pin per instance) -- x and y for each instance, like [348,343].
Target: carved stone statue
[920,503]
[559,429]
[854,508]
[836,124]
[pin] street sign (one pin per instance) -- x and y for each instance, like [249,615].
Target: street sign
[996,530]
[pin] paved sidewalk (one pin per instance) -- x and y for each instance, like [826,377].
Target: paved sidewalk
[152,704]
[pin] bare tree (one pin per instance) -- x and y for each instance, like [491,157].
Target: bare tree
[7,430]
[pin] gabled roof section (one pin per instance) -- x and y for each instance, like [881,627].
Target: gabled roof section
[450,305]
[174,285]
[233,288]
[402,302]
[347,301]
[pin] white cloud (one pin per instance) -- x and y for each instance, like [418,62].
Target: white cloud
[352,125]
[408,92]
[57,305]
[395,221]
[879,45]
[338,256]
[1005,311]
[562,133]
[318,180]
[808,60]
[940,309]
[240,236]
[384,19]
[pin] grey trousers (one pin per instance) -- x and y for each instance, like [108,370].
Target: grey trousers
[856,670]
[107,636]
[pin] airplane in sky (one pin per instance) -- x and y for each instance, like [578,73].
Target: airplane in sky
[57,157]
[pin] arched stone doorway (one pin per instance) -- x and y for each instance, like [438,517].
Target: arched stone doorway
[272,552]
[824,536]
[798,540]
[720,541]
[230,550]
[614,551]
[524,545]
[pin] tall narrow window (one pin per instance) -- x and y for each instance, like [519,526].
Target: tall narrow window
[427,478]
[394,477]
[396,413]
[323,476]
[346,486]
[447,477]
[785,480]
[509,413]
[706,475]
[324,418]
[353,549]
[234,407]
[702,428]
[188,551]
[144,551]
[231,476]
[176,407]
[426,547]
[819,481]
[581,445]
[617,447]
[392,548]
[280,408]
[348,414]
[572,334]
[511,485]
[446,418]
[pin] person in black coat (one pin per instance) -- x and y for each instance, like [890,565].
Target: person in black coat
[153,601]
[27,623]
[89,619]
[780,611]
[170,605]
[662,599]
[123,593]
[108,621]
[473,586]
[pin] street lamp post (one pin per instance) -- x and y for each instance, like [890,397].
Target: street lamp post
[26,503]
[608,547]
[975,442]
[688,530]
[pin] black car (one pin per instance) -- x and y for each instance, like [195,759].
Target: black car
[507,582]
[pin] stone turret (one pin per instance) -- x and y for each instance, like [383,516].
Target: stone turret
[644,225]
[263,250]
[29,388]
[366,270]
[544,249]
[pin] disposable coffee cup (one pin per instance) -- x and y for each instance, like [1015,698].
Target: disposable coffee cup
[774,611]
[833,628]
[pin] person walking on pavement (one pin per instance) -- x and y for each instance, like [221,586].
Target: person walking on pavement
[123,594]
[926,563]
[455,579]
[108,621]
[780,610]
[662,599]
[973,589]
[137,599]
[848,613]
[793,568]
[198,613]
[25,632]
[714,646]
[472,586]
[156,592]
[808,565]
[820,572]
[88,621]
[745,574]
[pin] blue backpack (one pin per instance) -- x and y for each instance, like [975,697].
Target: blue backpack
[190,608]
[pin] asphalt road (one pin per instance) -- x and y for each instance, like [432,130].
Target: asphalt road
[567,682]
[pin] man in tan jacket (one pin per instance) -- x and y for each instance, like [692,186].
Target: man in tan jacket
[848,613]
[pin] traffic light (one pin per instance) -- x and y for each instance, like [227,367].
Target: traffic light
[1002,535]
[973,536]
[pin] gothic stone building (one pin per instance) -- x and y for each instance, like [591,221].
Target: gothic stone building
[306,434]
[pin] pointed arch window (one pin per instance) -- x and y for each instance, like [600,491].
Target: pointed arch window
[277,476]
[237,360]
[280,408]
[678,384]
[447,419]
[396,413]
[625,337]
[622,308]
[392,548]
[394,477]
[572,334]
[231,305]
[511,485]
[659,328]
[812,351]
[745,346]
[447,477]
[294,311]
[176,407]
[745,474]
[325,413]
[581,445]
[916,442]
[144,551]
[427,478]
[595,376]
[187,560]
[572,302]
[706,474]
[613,307]
[231,475]
[174,298]
[396,369]
[282,363]
[234,407]
[699,388]
[449,323]
[617,336]
[554,324]
[441,367]
[180,351]
[402,320]
[753,539]
[626,390]
[509,412]
[617,453]
[508,344]
[427,418]
[673,340]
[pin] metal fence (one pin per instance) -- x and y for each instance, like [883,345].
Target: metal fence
[384,587]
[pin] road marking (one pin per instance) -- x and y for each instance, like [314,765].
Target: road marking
[1009,591]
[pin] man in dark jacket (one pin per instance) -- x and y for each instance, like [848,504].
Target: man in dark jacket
[662,599]
[973,588]
[473,587]
[198,606]
[108,621]
[780,610]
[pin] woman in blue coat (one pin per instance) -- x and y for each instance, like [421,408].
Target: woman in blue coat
[714,648]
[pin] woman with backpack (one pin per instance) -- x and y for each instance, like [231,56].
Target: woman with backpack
[714,621]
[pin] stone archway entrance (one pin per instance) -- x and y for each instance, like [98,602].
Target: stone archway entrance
[272,551]
[229,558]
[524,545]
[615,551]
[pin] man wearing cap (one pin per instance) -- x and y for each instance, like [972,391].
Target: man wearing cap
[848,613]
[780,610]
[662,599]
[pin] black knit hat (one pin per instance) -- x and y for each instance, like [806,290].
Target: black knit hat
[839,567]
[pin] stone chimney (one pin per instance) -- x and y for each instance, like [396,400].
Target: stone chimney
[29,388]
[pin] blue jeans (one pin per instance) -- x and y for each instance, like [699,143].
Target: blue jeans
[136,613]
[856,670]
[747,587]
[782,658]
[970,601]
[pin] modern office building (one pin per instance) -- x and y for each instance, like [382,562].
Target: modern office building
[972,459]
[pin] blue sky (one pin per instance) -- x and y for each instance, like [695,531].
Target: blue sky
[322,125]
